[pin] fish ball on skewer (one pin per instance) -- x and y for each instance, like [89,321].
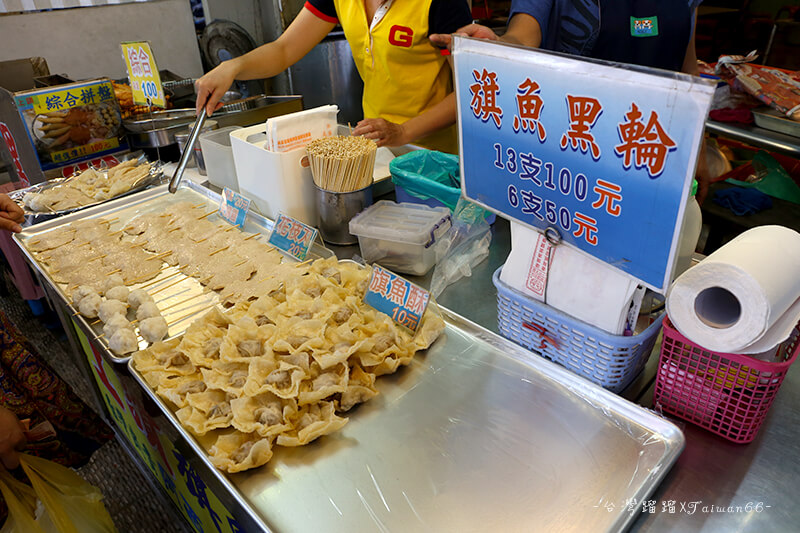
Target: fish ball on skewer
[80,293]
[153,329]
[123,341]
[120,292]
[110,308]
[147,310]
[90,305]
[114,280]
[118,321]
[138,297]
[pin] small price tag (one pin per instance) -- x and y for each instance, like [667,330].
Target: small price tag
[292,236]
[233,207]
[397,297]
[143,74]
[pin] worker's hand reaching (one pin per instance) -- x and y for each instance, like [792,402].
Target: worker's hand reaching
[382,131]
[12,438]
[11,215]
[213,85]
[443,40]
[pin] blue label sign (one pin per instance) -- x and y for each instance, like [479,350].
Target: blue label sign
[397,297]
[602,154]
[233,207]
[292,236]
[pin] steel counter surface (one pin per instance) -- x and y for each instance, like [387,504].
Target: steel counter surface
[475,433]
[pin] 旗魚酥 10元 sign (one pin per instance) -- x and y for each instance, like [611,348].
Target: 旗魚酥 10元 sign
[602,154]
[143,74]
[397,297]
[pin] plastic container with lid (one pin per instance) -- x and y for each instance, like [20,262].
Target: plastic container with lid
[401,237]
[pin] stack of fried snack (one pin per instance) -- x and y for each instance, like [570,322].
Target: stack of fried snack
[89,187]
[277,370]
[124,96]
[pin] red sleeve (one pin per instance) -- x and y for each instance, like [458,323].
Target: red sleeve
[323,9]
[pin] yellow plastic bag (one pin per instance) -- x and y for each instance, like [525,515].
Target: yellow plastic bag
[71,505]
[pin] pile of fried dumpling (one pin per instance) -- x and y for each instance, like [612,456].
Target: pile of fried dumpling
[280,369]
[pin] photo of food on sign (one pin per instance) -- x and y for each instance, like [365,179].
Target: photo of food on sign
[70,122]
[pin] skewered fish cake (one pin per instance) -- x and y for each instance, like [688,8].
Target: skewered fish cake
[119,292]
[123,341]
[51,239]
[153,329]
[137,297]
[90,305]
[147,310]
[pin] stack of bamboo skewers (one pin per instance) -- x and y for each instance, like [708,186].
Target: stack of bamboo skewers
[342,163]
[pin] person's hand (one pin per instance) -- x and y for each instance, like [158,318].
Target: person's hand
[12,438]
[382,131]
[11,215]
[212,86]
[477,31]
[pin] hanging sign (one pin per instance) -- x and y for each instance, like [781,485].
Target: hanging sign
[603,154]
[143,74]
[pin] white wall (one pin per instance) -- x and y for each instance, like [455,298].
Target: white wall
[84,42]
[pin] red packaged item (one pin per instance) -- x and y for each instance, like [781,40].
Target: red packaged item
[780,89]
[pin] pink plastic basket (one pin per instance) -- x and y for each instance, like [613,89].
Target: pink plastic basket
[728,394]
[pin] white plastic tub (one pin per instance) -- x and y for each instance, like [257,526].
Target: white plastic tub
[218,156]
[401,237]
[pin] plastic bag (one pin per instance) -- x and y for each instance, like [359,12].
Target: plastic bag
[426,174]
[464,246]
[770,178]
[70,504]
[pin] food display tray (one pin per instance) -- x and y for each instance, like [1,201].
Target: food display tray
[476,434]
[35,217]
[184,300]
[770,119]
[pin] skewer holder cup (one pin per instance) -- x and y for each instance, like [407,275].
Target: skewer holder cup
[335,210]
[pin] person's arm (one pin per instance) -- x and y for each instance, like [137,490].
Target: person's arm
[11,215]
[388,133]
[522,29]
[12,438]
[303,34]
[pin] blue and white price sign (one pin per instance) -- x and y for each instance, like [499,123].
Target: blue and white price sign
[397,297]
[602,154]
[292,236]
[233,207]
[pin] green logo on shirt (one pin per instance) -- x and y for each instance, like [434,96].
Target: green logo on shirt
[644,27]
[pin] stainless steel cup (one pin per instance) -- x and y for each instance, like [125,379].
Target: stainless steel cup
[335,211]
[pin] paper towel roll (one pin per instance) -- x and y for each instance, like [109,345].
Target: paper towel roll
[575,283]
[743,298]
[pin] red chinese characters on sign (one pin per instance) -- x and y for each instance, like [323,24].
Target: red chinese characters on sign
[380,282]
[529,107]
[610,195]
[587,228]
[12,149]
[397,291]
[644,145]
[583,113]
[417,299]
[484,97]
[140,62]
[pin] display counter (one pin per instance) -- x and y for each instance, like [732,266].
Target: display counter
[472,428]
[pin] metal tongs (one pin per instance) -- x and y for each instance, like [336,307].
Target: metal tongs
[187,151]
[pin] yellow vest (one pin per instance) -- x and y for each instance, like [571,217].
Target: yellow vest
[404,75]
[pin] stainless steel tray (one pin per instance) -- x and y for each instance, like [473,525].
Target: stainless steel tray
[476,434]
[181,296]
[36,217]
[769,119]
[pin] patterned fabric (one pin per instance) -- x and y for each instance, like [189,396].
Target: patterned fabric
[30,389]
